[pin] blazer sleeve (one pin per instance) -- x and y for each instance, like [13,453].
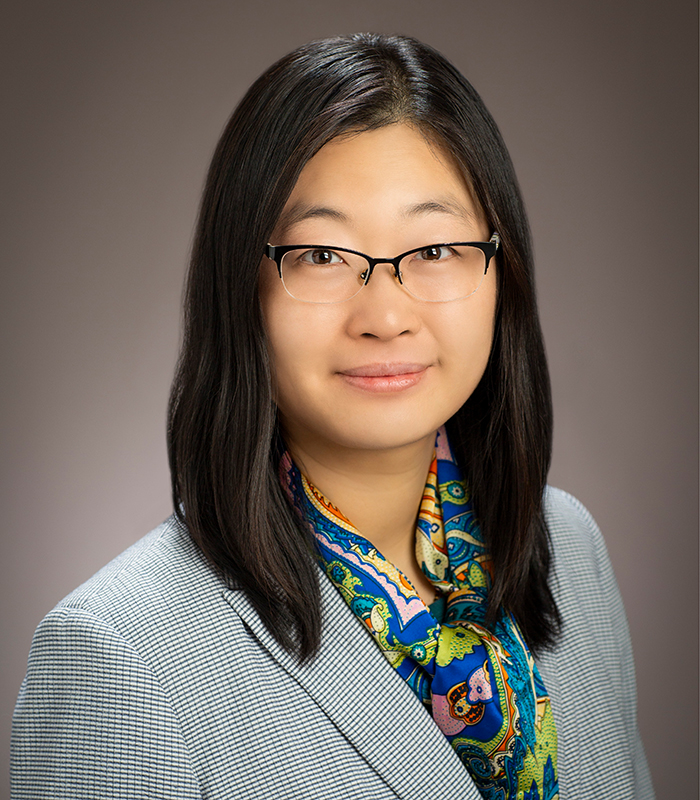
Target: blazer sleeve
[618,647]
[92,720]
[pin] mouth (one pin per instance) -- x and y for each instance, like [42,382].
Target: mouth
[384,377]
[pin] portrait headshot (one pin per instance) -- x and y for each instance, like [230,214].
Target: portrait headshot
[350,410]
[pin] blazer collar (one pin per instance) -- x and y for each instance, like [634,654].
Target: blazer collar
[366,699]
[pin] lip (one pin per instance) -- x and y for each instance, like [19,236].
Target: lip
[384,377]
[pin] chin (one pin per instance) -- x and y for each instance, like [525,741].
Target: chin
[385,434]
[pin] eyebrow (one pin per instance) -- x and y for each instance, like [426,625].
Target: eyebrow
[442,206]
[301,211]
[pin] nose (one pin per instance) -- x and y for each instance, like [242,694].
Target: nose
[383,309]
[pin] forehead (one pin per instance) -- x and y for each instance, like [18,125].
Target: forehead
[391,173]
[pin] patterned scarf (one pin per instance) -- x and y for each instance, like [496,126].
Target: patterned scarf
[482,686]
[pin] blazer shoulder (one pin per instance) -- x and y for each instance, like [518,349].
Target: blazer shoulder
[570,524]
[580,556]
[153,574]
[564,510]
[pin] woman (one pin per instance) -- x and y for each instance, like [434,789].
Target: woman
[319,618]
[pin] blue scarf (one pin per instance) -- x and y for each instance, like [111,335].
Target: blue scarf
[481,685]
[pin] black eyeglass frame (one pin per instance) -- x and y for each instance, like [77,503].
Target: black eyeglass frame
[277,252]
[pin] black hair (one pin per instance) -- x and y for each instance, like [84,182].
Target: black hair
[222,425]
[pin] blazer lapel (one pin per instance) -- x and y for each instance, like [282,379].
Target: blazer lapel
[366,699]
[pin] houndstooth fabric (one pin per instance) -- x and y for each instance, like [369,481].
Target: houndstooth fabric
[154,680]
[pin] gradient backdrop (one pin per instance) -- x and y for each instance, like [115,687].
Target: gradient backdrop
[109,117]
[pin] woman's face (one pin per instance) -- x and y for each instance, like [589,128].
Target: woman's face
[383,369]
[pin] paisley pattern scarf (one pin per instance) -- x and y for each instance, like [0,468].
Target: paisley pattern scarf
[481,685]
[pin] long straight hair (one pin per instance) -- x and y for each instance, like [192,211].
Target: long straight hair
[222,421]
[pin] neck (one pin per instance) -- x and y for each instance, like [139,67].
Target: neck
[379,491]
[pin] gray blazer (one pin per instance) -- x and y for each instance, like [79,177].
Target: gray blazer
[155,680]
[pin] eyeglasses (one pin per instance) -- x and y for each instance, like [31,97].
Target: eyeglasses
[435,273]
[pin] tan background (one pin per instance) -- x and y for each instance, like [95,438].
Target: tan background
[109,118]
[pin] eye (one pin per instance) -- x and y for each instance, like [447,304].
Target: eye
[435,252]
[320,257]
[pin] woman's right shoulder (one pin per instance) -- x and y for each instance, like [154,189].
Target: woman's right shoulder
[161,582]
[146,568]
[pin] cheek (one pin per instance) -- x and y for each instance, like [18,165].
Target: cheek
[298,344]
[467,339]
[287,348]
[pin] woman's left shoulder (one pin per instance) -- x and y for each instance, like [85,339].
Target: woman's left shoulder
[574,534]
[564,513]
[582,574]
